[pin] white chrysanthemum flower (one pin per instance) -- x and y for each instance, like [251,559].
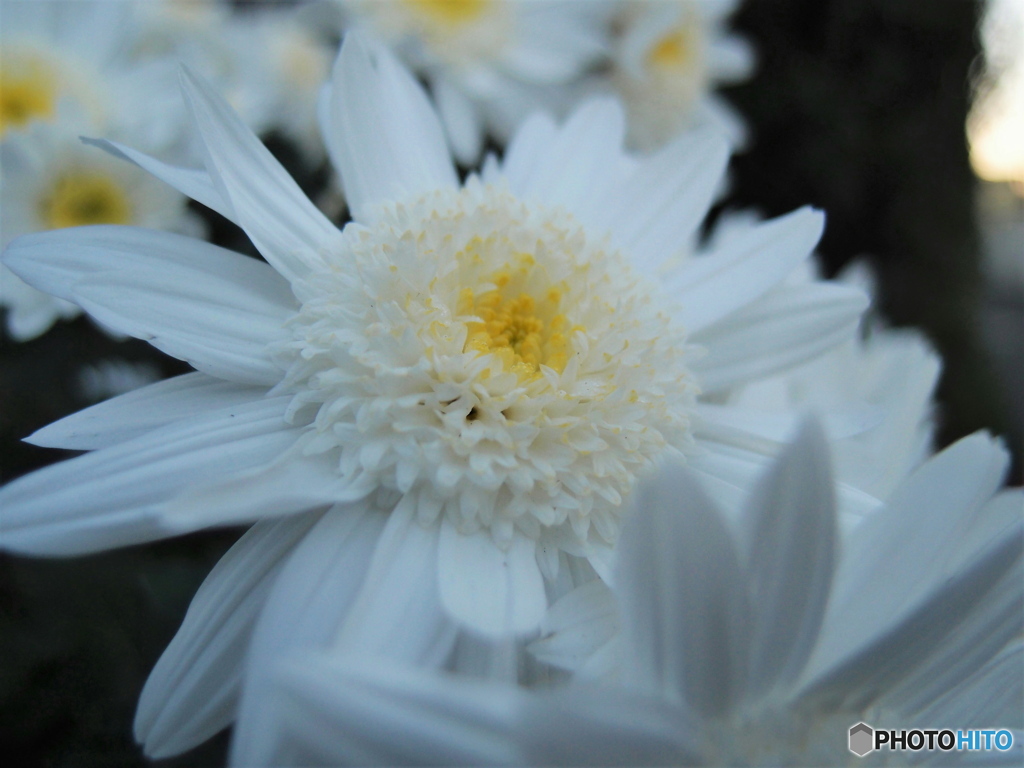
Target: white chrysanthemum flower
[755,645]
[667,59]
[434,413]
[51,180]
[489,63]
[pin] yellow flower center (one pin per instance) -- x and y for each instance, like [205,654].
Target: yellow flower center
[524,332]
[27,91]
[449,11]
[673,51]
[80,199]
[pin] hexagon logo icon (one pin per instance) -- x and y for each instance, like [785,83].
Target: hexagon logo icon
[862,738]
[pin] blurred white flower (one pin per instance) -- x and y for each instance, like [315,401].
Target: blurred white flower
[668,57]
[489,63]
[51,180]
[108,378]
[756,644]
[66,73]
[433,414]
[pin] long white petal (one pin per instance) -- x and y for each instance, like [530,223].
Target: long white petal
[710,288]
[899,554]
[656,210]
[364,711]
[991,696]
[383,135]
[461,119]
[791,545]
[220,326]
[112,497]
[290,232]
[306,606]
[782,329]
[493,591]
[953,632]
[398,610]
[684,605]
[134,413]
[193,690]
[193,182]
[595,726]
[526,152]
[289,483]
[574,171]
[213,307]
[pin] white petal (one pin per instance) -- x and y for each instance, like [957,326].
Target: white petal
[714,286]
[398,610]
[134,413]
[946,637]
[899,554]
[220,326]
[327,711]
[588,725]
[461,121]
[213,307]
[577,626]
[383,135]
[719,422]
[681,593]
[492,591]
[290,232]
[787,327]
[992,695]
[305,607]
[526,152]
[111,497]
[192,691]
[193,182]
[791,527]
[656,210]
[288,484]
[574,167]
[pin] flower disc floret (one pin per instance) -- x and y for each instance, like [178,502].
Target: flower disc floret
[491,361]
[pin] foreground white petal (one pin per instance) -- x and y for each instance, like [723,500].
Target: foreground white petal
[685,610]
[135,413]
[113,497]
[362,711]
[193,690]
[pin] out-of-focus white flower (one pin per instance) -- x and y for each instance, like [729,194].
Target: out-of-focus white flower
[285,65]
[433,414]
[65,73]
[51,180]
[489,63]
[668,58]
[756,644]
[76,54]
[109,378]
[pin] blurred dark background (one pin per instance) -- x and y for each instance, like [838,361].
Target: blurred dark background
[858,107]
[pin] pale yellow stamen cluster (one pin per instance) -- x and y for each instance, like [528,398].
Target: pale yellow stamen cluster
[449,11]
[524,333]
[81,199]
[27,92]
[674,51]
